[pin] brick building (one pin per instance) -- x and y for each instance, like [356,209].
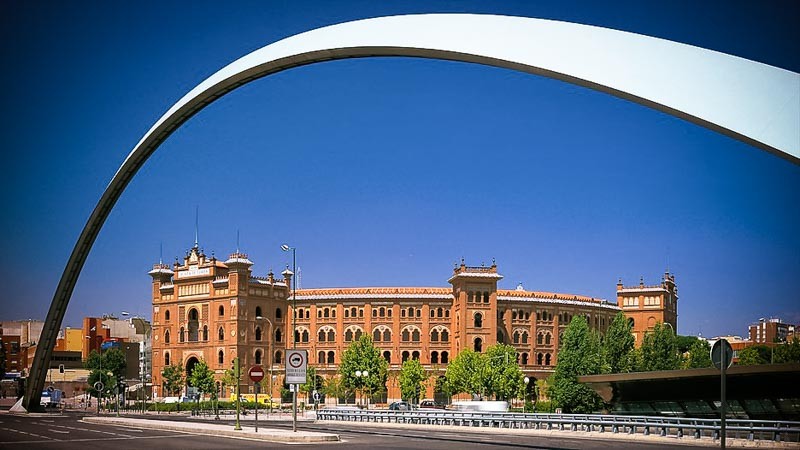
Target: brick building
[647,305]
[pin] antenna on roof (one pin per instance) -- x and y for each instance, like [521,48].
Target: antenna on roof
[161,252]
[237,240]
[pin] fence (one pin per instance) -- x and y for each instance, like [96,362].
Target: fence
[778,431]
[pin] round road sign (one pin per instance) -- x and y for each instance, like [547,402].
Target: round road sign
[720,346]
[296,360]
[99,385]
[256,374]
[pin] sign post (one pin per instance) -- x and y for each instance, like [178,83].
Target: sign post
[237,374]
[256,375]
[722,358]
[296,365]
[98,386]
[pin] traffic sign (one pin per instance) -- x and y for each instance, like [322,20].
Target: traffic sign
[256,374]
[716,353]
[51,389]
[296,365]
[99,385]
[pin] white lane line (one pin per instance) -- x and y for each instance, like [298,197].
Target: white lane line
[59,431]
[28,434]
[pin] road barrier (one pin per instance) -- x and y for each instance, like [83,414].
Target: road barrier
[774,430]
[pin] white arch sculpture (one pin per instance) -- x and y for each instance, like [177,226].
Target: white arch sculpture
[749,101]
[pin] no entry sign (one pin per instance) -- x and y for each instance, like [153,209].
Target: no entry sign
[256,374]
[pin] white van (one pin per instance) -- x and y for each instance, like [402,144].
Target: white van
[481,406]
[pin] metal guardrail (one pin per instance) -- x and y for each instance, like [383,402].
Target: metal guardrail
[777,431]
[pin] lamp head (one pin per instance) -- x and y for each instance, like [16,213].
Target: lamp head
[285,247]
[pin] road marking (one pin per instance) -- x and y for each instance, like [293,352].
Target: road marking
[59,431]
[28,434]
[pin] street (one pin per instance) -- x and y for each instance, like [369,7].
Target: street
[69,432]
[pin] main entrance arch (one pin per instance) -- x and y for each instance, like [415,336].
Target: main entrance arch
[746,100]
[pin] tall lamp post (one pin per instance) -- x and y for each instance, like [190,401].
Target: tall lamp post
[100,353]
[364,374]
[286,248]
[271,356]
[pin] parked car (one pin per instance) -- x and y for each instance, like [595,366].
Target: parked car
[400,406]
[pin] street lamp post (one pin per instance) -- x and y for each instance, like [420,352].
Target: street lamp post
[525,396]
[286,248]
[364,374]
[99,340]
[271,356]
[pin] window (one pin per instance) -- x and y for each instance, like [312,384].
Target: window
[205,332]
[278,335]
[405,356]
[258,311]
[445,336]
[547,339]
[406,336]
[258,333]
[376,335]
[321,357]
[387,335]
[478,346]
[353,311]
[194,325]
[166,315]
[221,334]
[326,312]
[387,355]
[348,335]
[434,357]
[330,357]
[415,355]
[374,313]
[415,336]
[346,313]
[539,359]
[166,358]
[524,359]
[524,337]
[539,338]
[221,310]
[547,360]
[433,314]
[331,335]
[278,313]
[630,322]
[181,335]
[485,297]
[435,336]
[304,337]
[382,312]
[220,357]
[478,320]
[166,337]
[278,357]
[258,356]
[321,336]
[439,312]
[444,357]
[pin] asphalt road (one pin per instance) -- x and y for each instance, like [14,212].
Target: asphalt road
[68,432]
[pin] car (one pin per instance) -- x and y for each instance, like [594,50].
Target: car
[430,404]
[400,406]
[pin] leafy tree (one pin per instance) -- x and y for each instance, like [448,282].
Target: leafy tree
[363,355]
[108,380]
[502,376]
[203,379]
[229,379]
[173,379]
[789,352]
[684,343]
[754,355]
[698,356]
[113,363]
[580,354]
[659,350]
[463,374]
[618,345]
[335,387]
[412,378]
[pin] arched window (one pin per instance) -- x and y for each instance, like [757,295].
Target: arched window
[374,313]
[360,312]
[220,357]
[181,335]
[321,357]
[434,336]
[433,314]
[539,338]
[478,320]
[524,359]
[258,356]
[194,325]
[308,313]
[539,359]
[524,337]
[444,357]
[478,345]
[205,332]
[439,312]
[415,336]
[221,334]
[258,311]
[406,336]
[326,312]
[278,335]
[516,337]
[278,357]
[485,297]
[630,322]
[353,311]
[415,355]
[166,337]
[547,339]
[166,358]
[331,336]
[382,312]
[358,334]
[376,335]
[513,315]
[547,359]
[221,310]
[258,333]
[387,355]
[305,336]
[348,335]
[445,336]
[278,313]
[166,315]
[321,336]
[434,357]
[387,335]
[405,356]
[297,335]
[410,312]
[330,357]
[346,313]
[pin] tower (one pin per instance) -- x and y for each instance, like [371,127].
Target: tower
[474,306]
[644,306]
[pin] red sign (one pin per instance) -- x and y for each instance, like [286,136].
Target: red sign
[256,374]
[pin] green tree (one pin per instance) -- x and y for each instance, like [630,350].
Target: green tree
[659,350]
[173,379]
[684,343]
[311,382]
[203,379]
[362,355]
[113,364]
[108,380]
[412,378]
[335,387]
[618,345]
[580,354]
[754,355]
[698,356]
[502,376]
[228,379]
[789,352]
[463,374]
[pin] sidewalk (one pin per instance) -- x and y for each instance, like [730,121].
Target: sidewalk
[213,429]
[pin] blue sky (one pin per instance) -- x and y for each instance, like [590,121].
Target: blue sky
[385,171]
